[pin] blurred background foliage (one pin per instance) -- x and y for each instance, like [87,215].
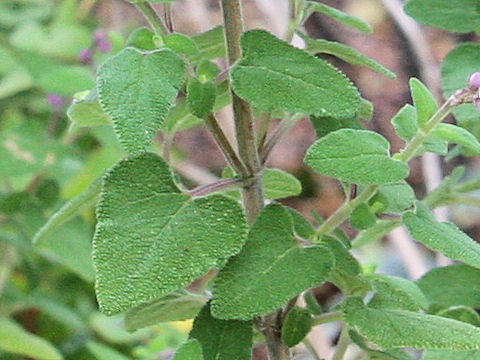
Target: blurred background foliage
[49,51]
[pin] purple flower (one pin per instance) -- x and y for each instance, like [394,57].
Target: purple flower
[85,56]
[56,101]
[474,81]
[102,41]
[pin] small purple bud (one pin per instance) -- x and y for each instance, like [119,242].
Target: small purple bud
[474,81]
[56,101]
[85,56]
[101,40]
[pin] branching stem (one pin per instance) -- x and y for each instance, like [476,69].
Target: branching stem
[152,17]
[216,186]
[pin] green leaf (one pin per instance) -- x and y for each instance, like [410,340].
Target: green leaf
[137,90]
[396,197]
[151,239]
[14,339]
[102,352]
[68,211]
[111,330]
[211,44]
[181,43]
[452,285]
[301,225]
[453,15]
[350,20]
[362,217]
[274,75]
[142,38]
[222,339]
[457,135]
[207,70]
[443,237]
[177,306]
[86,111]
[324,125]
[312,303]
[279,184]
[270,259]
[356,156]
[395,293]
[398,328]
[423,100]
[451,355]
[382,228]
[296,326]
[201,97]
[393,354]
[461,313]
[191,350]
[405,122]
[458,65]
[346,53]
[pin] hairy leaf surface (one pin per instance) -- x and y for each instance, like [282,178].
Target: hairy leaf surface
[151,239]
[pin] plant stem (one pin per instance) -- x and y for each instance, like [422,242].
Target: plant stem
[216,186]
[283,128]
[253,192]
[409,152]
[152,17]
[328,317]
[311,349]
[225,146]
[342,344]
[344,211]
[167,14]
[6,264]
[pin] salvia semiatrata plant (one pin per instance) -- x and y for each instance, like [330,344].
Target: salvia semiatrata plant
[257,262]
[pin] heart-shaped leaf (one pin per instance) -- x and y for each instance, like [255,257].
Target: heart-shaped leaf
[151,239]
[136,89]
[265,274]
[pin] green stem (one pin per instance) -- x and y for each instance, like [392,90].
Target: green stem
[328,317]
[167,12]
[6,264]
[467,186]
[344,211]
[227,149]
[422,134]
[152,17]
[311,349]
[342,344]
[283,128]
[216,186]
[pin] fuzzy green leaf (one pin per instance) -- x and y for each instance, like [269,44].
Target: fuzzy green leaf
[136,90]
[396,293]
[451,355]
[346,53]
[453,15]
[176,306]
[296,326]
[151,239]
[349,20]
[191,350]
[211,44]
[142,38]
[280,184]
[274,75]
[395,197]
[452,285]
[398,328]
[457,135]
[270,259]
[423,100]
[362,217]
[87,111]
[222,339]
[201,97]
[405,122]
[356,156]
[461,313]
[181,43]
[14,339]
[443,237]
[324,125]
